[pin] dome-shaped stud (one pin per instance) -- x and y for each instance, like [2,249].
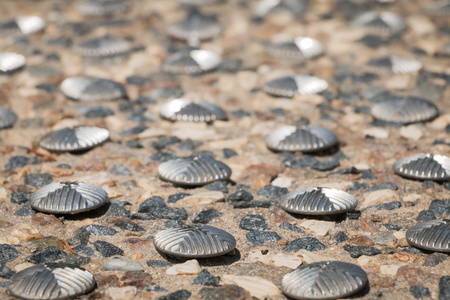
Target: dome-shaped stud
[10,62]
[78,138]
[103,47]
[324,280]
[22,25]
[191,62]
[405,110]
[7,118]
[68,198]
[194,242]
[192,111]
[381,23]
[440,8]
[301,48]
[265,7]
[86,88]
[290,86]
[193,171]
[317,201]
[98,8]
[393,64]
[424,167]
[309,138]
[431,235]
[51,282]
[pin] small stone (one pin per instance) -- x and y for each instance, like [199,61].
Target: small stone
[308,243]
[155,264]
[361,241]
[411,132]
[256,286]
[20,197]
[25,210]
[135,144]
[128,226]
[283,182]
[47,255]
[383,186]
[155,288]
[426,215]
[384,238]
[248,204]
[379,197]
[220,186]
[419,291]
[107,249]
[434,259]
[357,251]
[83,250]
[36,180]
[227,153]
[17,162]
[120,170]
[190,267]
[80,237]
[260,237]
[444,288]
[98,112]
[174,224]
[139,216]
[389,270]
[203,198]
[177,197]
[99,230]
[115,210]
[325,165]
[164,142]
[253,222]
[76,260]
[162,156]
[121,293]
[6,272]
[377,133]
[121,264]
[178,295]
[389,206]
[321,228]
[206,216]
[241,195]
[289,226]
[272,192]
[341,237]
[158,208]
[440,207]
[205,278]
[227,292]
[392,226]
[7,253]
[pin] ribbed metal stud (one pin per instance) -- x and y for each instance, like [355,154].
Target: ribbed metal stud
[193,171]
[290,86]
[195,28]
[10,62]
[191,62]
[381,23]
[301,48]
[405,110]
[7,118]
[393,64]
[51,281]
[78,138]
[192,111]
[431,235]
[103,47]
[86,88]
[194,241]
[317,201]
[424,166]
[97,8]
[265,7]
[324,280]
[68,198]
[22,25]
[309,138]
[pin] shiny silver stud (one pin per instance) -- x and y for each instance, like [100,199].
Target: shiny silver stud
[431,235]
[424,167]
[68,198]
[290,86]
[381,23]
[393,64]
[51,281]
[300,48]
[96,8]
[84,88]
[78,138]
[22,25]
[10,62]
[7,118]
[265,7]
[317,201]
[103,47]
[191,62]
[193,171]
[191,111]
[194,241]
[324,280]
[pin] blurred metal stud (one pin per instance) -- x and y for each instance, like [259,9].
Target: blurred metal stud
[7,118]
[68,198]
[98,8]
[381,23]
[192,111]
[424,166]
[22,25]
[405,110]
[309,138]
[318,201]
[431,235]
[78,138]
[195,28]
[191,62]
[324,280]
[440,8]
[193,170]
[10,62]
[51,281]
[290,86]
[84,88]
[194,241]
[265,7]
[393,64]
[103,47]
[301,48]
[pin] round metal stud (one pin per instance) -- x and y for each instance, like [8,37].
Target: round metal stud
[265,7]
[68,198]
[317,201]
[405,110]
[431,235]
[78,138]
[393,64]
[324,280]
[309,138]
[381,23]
[440,8]
[193,171]
[290,86]
[7,118]
[22,25]
[97,8]
[301,48]
[191,62]
[51,281]
[194,241]
[10,62]
[103,47]
[424,166]
[192,111]
[85,88]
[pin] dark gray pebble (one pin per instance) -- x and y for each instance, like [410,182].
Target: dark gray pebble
[83,250]
[248,204]
[272,192]
[142,216]
[426,215]
[206,216]
[389,206]
[124,225]
[289,226]
[174,198]
[240,196]
[155,288]
[17,162]
[25,210]
[307,243]
[64,166]
[20,197]
[164,142]
[189,145]
[444,288]
[357,251]
[294,161]
[158,208]
[325,165]
[80,237]
[158,263]
[100,230]
[428,184]
[76,260]
[38,179]
[434,259]
[6,272]
[253,222]
[419,291]
[260,237]
[341,237]
[98,112]
[47,87]
[46,255]
[134,130]
[383,186]
[240,113]
[440,207]
[135,144]
[120,170]
[357,186]
[8,253]
[227,153]
[138,80]
[412,250]
[107,249]
[115,210]
[392,226]
[162,156]
[174,224]
[354,215]
[205,278]
[220,186]
[178,295]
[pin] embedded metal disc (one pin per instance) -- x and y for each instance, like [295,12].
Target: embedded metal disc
[191,62]
[324,280]
[431,235]
[78,138]
[290,86]
[192,111]
[265,7]
[22,25]
[97,8]
[394,64]
[194,241]
[68,198]
[309,138]
[317,201]
[51,281]
[381,23]
[103,47]
[193,171]
[86,88]
[7,118]
[424,166]
[405,110]
[10,61]
[301,48]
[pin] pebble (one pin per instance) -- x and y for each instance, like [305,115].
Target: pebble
[411,132]
[177,197]
[289,226]
[76,260]
[155,264]
[434,259]
[384,238]
[20,197]
[321,228]
[190,267]
[283,182]
[36,180]
[325,165]
[158,208]
[17,162]
[440,207]
[107,249]
[378,197]
[248,204]
[241,195]
[203,198]
[115,210]
[307,243]
[128,226]
[357,251]
[155,288]
[6,272]
[121,293]
[205,278]
[253,222]
[121,264]
[256,286]
[444,288]
[98,112]
[80,237]
[178,295]
[227,153]
[389,270]
[272,192]
[47,255]
[120,170]
[226,292]
[389,206]
[83,250]
[8,253]
[419,291]
[220,186]
[260,237]
[174,224]
[377,133]
[426,215]
[164,142]
[383,186]
[341,237]
[206,216]
[99,230]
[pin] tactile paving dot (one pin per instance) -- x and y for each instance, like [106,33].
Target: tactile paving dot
[290,86]
[103,47]
[300,48]
[393,63]
[191,62]
[78,138]
[424,166]
[431,235]
[384,23]
[10,61]
[192,111]
[86,88]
